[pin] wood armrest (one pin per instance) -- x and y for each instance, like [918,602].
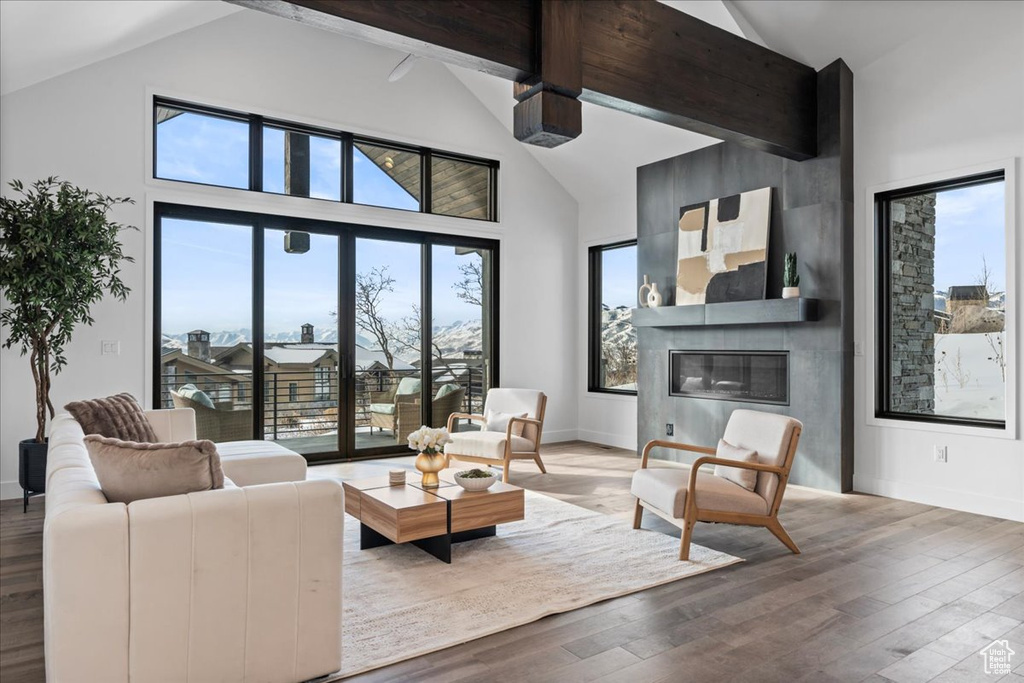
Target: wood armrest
[525,420]
[759,467]
[464,416]
[657,443]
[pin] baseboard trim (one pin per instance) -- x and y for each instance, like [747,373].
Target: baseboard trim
[608,439]
[560,435]
[1004,508]
[9,490]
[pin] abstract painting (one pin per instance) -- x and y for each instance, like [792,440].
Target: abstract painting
[723,249]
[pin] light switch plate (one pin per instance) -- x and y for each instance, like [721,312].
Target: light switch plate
[110,348]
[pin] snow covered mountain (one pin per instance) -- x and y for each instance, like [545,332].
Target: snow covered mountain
[617,326]
[462,335]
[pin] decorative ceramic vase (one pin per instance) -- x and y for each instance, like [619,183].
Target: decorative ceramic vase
[644,292]
[654,296]
[430,464]
[790,292]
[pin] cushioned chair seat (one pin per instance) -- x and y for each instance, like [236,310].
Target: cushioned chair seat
[485,444]
[665,489]
[248,463]
[385,408]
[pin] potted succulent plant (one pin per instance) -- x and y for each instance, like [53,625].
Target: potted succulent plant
[790,278]
[59,255]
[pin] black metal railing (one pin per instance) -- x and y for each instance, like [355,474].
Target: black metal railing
[304,403]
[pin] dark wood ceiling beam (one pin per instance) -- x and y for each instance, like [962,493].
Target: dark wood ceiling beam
[548,112]
[637,56]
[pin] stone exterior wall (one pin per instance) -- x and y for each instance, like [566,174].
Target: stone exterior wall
[913,304]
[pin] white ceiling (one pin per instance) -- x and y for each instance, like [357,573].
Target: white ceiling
[859,31]
[40,40]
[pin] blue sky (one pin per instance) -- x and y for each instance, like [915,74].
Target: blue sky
[619,287]
[207,266]
[970,224]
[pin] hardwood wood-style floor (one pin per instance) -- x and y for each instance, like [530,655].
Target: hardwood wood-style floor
[885,590]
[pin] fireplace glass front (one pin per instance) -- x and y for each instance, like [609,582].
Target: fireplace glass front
[749,376]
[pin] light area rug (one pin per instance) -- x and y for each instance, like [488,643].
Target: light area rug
[400,602]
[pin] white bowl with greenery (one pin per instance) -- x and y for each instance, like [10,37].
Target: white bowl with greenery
[476,479]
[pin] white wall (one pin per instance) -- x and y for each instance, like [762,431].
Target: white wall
[604,418]
[948,100]
[90,127]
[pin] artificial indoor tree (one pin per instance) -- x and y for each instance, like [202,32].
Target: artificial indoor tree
[59,255]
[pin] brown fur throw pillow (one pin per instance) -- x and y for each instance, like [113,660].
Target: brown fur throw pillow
[117,417]
[130,471]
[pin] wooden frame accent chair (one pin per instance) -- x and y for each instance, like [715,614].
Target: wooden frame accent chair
[519,440]
[684,496]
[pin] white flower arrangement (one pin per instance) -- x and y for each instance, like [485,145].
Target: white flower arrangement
[428,440]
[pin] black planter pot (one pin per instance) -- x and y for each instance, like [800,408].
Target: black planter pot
[31,468]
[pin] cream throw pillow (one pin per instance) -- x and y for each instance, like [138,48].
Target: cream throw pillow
[498,422]
[130,471]
[745,478]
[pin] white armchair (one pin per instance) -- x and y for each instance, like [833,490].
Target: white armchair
[684,496]
[519,440]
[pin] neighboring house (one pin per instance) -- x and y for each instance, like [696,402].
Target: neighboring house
[222,384]
[968,295]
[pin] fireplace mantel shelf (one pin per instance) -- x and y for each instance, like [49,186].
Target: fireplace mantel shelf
[762,312]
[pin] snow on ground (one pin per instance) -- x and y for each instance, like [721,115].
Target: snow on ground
[975,387]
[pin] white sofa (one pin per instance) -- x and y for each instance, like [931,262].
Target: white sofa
[239,584]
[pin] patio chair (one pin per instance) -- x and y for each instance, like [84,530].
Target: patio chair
[216,424]
[384,404]
[518,439]
[448,400]
[683,495]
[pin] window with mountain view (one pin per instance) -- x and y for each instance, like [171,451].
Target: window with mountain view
[612,348]
[942,343]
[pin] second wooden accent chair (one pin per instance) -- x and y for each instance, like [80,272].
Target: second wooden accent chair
[519,439]
[684,496]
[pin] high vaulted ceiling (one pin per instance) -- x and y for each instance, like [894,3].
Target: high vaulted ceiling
[40,40]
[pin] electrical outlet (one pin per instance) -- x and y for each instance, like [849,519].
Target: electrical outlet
[110,348]
[941,454]
[670,429]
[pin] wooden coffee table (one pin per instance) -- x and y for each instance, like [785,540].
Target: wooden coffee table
[430,519]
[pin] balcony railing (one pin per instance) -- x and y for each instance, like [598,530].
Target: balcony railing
[304,403]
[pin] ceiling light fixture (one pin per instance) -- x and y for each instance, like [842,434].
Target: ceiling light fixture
[389,163]
[403,67]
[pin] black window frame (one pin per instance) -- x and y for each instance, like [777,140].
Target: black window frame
[594,289]
[257,123]
[883,300]
[347,232]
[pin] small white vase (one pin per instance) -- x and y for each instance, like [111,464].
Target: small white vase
[645,289]
[790,292]
[654,296]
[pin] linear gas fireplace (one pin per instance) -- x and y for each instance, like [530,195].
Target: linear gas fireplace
[750,376]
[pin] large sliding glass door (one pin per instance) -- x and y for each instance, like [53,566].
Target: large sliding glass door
[326,322]
[204,294]
[300,340]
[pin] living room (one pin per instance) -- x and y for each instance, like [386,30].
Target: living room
[503,272]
